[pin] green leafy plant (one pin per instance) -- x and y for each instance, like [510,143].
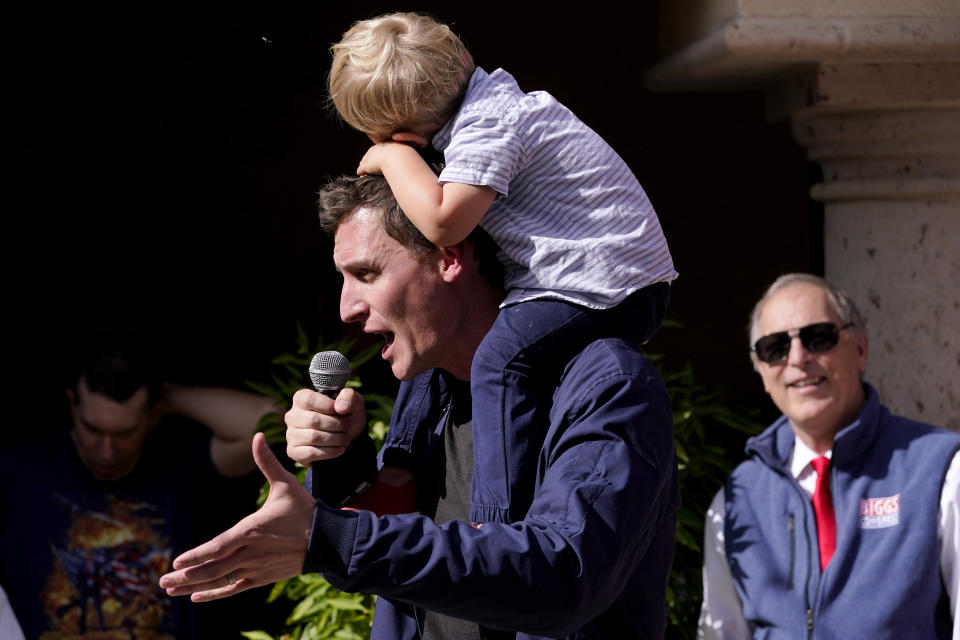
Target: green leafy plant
[701,421]
[704,425]
[320,610]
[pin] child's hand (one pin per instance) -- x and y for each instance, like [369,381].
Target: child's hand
[372,159]
[390,151]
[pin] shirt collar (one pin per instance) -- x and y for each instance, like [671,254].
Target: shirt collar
[802,455]
[442,137]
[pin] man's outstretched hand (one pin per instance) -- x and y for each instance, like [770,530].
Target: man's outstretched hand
[266,546]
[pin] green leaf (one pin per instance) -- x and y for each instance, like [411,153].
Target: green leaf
[286,358]
[306,608]
[688,516]
[277,590]
[346,604]
[260,388]
[303,342]
[687,539]
[296,371]
[365,355]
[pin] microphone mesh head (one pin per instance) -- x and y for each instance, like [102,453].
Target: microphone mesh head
[329,370]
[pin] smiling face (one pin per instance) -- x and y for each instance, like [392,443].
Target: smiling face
[820,393]
[396,293]
[109,435]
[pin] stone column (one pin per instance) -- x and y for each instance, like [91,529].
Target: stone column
[887,137]
[872,90]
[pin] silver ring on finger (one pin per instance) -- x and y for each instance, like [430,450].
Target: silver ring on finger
[231,578]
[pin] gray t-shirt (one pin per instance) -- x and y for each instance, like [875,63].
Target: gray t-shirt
[453,504]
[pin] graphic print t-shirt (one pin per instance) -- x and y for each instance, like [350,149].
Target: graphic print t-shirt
[81,558]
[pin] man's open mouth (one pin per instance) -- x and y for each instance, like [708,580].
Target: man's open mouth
[387,343]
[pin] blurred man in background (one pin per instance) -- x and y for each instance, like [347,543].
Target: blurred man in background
[91,517]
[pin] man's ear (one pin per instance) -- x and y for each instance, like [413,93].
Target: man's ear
[158,408]
[451,261]
[756,367]
[863,350]
[155,412]
[72,406]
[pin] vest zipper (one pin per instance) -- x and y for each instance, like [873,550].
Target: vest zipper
[792,529]
[816,599]
[811,551]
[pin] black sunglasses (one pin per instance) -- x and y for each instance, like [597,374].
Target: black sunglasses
[815,338]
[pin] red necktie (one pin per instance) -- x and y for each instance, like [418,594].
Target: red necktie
[823,509]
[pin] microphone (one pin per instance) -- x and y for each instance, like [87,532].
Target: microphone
[329,371]
[336,481]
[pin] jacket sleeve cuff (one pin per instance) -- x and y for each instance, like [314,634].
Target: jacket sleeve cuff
[330,546]
[340,480]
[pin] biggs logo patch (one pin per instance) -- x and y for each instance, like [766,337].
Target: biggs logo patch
[878,513]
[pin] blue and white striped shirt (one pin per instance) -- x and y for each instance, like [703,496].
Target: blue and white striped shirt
[571,219]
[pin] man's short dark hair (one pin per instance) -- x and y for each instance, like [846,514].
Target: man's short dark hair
[340,197]
[116,365]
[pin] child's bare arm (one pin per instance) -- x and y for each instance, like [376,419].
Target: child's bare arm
[445,214]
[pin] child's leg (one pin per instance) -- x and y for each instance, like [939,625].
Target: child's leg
[513,375]
[640,315]
[510,372]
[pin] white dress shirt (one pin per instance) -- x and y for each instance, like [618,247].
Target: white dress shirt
[9,627]
[722,614]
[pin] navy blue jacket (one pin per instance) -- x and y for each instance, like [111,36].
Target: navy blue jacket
[590,557]
[884,581]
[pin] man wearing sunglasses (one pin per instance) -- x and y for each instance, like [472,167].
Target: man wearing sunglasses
[844,522]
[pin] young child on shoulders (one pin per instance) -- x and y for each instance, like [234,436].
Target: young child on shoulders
[582,247]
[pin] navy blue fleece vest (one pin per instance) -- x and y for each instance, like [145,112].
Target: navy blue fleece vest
[884,579]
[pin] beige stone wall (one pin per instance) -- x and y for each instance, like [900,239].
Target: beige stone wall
[872,90]
[901,262]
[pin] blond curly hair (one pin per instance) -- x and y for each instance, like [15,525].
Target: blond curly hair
[397,71]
